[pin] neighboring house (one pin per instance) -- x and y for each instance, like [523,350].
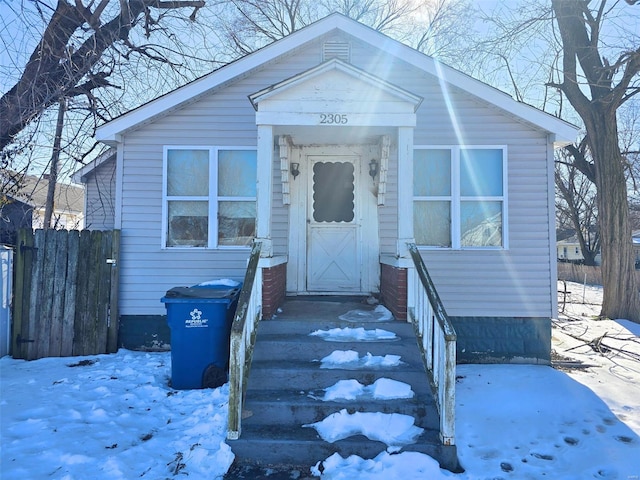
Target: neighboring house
[99,178]
[68,202]
[569,250]
[635,236]
[336,146]
[26,208]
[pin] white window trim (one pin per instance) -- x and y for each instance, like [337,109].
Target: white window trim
[456,199]
[212,198]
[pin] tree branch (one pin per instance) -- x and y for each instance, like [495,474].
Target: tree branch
[56,69]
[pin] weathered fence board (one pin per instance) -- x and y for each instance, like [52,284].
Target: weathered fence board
[68,316]
[572,272]
[112,334]
[64,293]
[22,291]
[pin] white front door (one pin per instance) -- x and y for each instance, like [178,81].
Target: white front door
[333,231]
[333,222]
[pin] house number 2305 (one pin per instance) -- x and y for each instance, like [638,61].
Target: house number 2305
[333,119]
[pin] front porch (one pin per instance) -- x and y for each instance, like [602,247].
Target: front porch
[287,382]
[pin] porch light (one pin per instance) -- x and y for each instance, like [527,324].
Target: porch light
[373,168]
[295,169]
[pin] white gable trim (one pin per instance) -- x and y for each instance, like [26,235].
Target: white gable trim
[109,132]
[339,65]
[565,132]
[80,176]
[335,93]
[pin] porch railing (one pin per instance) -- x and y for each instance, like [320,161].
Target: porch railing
[243,335]
[437,339]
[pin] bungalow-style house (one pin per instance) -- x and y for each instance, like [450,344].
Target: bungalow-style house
[68,201]
[569,250]
[335,147]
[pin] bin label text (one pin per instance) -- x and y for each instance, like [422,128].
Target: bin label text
[196,320]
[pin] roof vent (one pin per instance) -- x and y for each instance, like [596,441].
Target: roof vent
[336,49]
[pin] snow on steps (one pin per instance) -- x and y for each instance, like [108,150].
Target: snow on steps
[286,385]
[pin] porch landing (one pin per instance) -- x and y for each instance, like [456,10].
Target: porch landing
[286,382]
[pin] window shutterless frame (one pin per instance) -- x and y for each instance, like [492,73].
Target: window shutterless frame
[211,196]
[460,199]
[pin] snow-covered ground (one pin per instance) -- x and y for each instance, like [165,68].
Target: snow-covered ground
[115,416]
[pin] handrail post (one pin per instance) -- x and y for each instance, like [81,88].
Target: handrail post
[242,340]
[437,340]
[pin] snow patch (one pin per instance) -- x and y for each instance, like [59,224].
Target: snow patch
[354,335]
[385,466]
[381,389]
[392,429]
[350,360]
[222,282]
[513,421]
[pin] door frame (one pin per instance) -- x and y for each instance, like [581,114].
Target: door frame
[366,214]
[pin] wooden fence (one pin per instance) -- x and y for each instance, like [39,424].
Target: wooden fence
[66,285]
[572,272]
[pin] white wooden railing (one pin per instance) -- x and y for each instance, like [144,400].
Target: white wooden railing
[243,336]
[437,339]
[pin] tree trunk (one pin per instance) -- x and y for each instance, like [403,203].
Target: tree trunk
[621,299]
[580,30]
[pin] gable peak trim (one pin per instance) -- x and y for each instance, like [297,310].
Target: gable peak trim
[335,64]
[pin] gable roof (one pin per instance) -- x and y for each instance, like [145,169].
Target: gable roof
[67,198]
[111,131]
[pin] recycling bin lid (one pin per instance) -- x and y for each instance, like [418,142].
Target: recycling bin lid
[199,292]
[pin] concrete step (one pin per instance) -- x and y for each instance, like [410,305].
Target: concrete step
[250,471]
[305,327]
[288,407]
[286,384]
[306,348]
[308,376]
[298,445]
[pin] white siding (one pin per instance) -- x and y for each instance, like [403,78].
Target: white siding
[224,118]
[100,196]
[515,282]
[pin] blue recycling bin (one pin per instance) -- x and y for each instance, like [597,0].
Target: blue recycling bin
[200,319]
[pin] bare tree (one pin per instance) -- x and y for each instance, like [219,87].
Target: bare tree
[246,25]
[576,201]
[80,49]
[443,31]
[589,53]
[629,121]
[596,86]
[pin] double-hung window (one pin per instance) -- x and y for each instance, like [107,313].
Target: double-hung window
[209,197]
[459,197]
